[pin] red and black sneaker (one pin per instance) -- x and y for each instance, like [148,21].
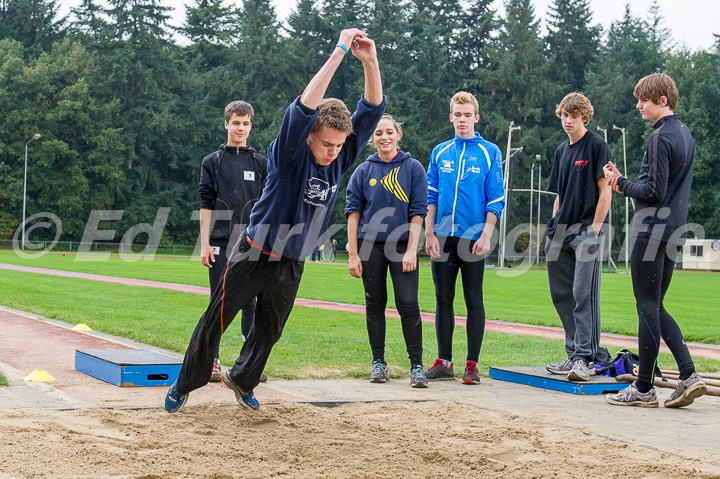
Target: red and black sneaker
[471,375]
[440,371]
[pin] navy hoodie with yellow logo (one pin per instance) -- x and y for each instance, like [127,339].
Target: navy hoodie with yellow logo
[387,195]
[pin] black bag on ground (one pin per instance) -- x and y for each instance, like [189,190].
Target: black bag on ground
[625,362]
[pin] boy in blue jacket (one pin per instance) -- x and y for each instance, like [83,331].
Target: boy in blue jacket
[465,200]
[317,143]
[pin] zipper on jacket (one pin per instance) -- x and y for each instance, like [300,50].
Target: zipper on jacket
[461,168]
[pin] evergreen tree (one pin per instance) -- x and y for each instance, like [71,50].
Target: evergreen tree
[210,22]
[573,44]
[632,52]
[89,22]
[77,166]
[33,23]
[521,91]
[698,81]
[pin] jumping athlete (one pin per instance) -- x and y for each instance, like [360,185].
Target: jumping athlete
[386,204]
[231,181]
[318,141]
[574,235]
[465,200]
[659,228]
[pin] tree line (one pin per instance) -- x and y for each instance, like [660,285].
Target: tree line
[126,112]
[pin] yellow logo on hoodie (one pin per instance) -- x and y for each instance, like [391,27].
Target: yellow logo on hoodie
[391,184]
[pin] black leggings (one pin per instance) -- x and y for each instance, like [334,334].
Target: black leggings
[444,272]
[652,264]
[405,286]
[217,272]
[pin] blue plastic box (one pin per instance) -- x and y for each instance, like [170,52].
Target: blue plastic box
[128,367]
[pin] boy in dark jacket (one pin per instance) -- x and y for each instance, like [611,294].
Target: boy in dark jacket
[659,227]
[317,143]
[231,181]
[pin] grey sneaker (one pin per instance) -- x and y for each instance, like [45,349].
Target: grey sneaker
[439,371]
[561,368]
[579,371]
[630,396]
[417,377]
[379,372]
[216,370]
[687,391]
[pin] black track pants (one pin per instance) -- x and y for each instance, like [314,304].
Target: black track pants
[217,273]
[274,281]
[652,264]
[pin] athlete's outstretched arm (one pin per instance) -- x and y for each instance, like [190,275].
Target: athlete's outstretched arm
[315,90]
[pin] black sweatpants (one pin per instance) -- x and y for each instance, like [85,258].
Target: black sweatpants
[217,273]
[274,281]
[405,287]
[652,264]
[444,272]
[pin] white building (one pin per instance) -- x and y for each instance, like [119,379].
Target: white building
[701,254]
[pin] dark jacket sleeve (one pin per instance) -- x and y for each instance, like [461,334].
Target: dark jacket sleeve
[291,140]
[364,121]
[263,172]
[206,190]
[419,191]
[355,198]
[652,186]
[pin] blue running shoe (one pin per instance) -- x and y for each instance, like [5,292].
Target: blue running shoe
[173,401]
[247,399]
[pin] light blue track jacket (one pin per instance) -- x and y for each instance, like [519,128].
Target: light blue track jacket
[465,181]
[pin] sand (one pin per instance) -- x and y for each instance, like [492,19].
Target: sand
[434,439]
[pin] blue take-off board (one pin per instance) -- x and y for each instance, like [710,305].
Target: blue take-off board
[538,376]
[128,367]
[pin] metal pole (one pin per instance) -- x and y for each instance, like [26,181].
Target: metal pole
[609,236]
[506,176]
[532,182]
[537,241]
[627,205]
[36,136]
[22,245]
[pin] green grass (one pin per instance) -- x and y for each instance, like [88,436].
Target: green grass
[510,295]
[3,380]
[316,343]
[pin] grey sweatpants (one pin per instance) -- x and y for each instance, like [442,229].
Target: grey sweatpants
[574,270]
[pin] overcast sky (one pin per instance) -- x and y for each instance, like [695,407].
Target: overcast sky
[692,22]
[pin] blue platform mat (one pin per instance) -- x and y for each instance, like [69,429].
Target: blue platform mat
[538,376]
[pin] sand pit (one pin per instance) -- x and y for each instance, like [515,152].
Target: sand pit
[359,440]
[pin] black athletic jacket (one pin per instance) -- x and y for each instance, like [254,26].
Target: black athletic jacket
[662,191]
[231,179]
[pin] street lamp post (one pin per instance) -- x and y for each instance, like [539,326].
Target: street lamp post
[610,235]
[627,205]
[503,218]
[36,136]
[538,158]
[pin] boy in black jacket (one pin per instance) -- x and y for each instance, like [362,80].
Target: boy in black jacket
[231,181]
[659,226]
